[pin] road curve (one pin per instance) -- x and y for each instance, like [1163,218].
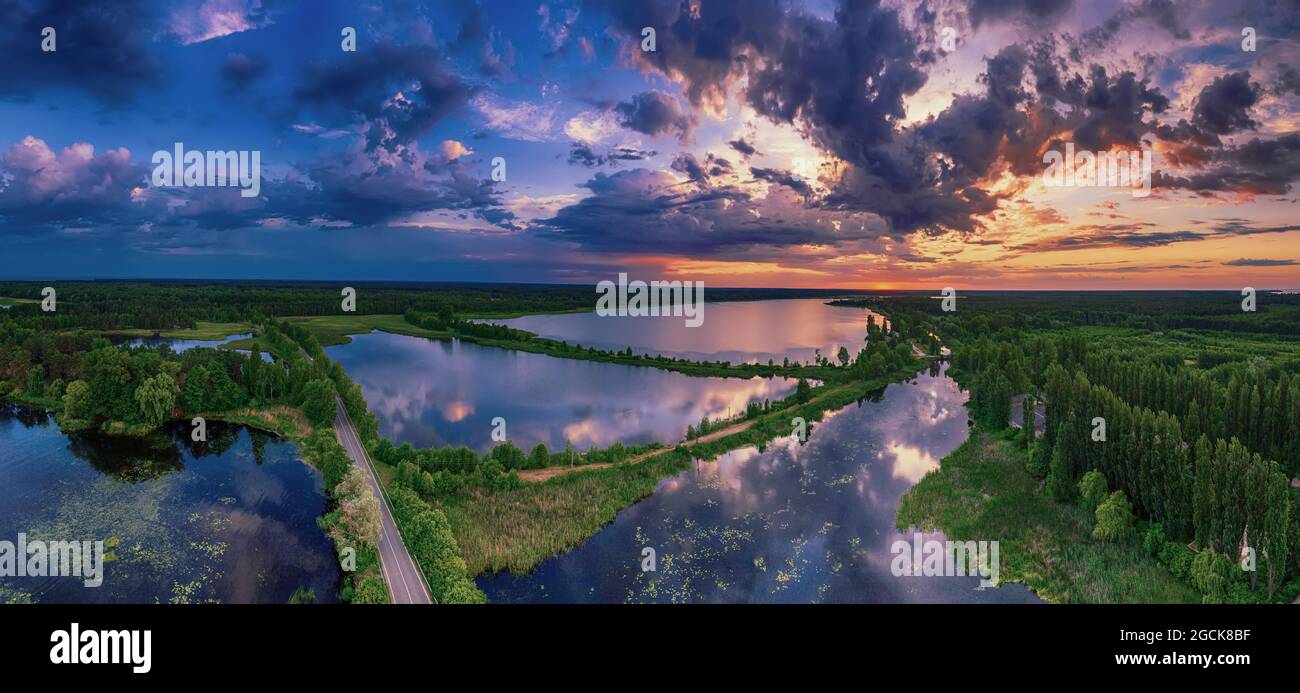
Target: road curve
[405,586]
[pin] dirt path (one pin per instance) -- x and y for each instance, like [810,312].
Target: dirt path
[539,475]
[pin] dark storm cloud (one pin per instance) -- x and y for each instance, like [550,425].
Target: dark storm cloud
[102,48]
[1223,106]
[361,87]
[1260,166]
[242,70]
[654,113]
[843,83]
[641,210]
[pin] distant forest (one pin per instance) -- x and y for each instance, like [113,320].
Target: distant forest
[163,305]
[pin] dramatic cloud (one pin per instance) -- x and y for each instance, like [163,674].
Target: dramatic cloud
[654,113]
[374,88]
[1224,106]
[38,185]
[647,211]
[111,59]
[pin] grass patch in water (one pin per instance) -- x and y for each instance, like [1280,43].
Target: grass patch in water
[517,529]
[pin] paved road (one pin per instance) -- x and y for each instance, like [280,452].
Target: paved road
[405,585]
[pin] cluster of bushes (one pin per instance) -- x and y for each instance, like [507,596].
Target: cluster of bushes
[353,522]
[429,538]
[449,470]
[1213,574]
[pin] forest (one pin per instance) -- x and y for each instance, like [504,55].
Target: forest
[1187,448]
[174,304]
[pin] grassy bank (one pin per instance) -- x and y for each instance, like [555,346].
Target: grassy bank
[982,491]
[286,422]
[331,330]
[202,330]
[515,529]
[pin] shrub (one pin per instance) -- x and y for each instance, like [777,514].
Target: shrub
[1153,541]
[371,591]
[1177,559]
[1114,518]
[1093,489]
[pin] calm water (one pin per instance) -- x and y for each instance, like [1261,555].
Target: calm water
[232,520]
[740,332]
[437,392]
[180,345]
[810,523]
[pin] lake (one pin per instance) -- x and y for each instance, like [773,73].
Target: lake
[735,331]
[180,345]
[795,523]
[231,520]
[439,392]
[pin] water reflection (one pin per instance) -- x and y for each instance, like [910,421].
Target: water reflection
[230,520]
[793,328]
[180,345]
[795,523]
[437,392]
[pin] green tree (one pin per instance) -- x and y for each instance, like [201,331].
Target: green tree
[843,356]
[156,396]
[197,386]
[1027,419]
[802,391]
[76,400]
[1114,518]
[36,381]
[1059,483]
[539,457]
[318,399]
[1093,489]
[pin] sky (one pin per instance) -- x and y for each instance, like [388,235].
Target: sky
[866,145]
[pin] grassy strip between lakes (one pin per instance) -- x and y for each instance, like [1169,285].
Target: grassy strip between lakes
[207,331]
[331,330]
[516,528]
[982,491]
